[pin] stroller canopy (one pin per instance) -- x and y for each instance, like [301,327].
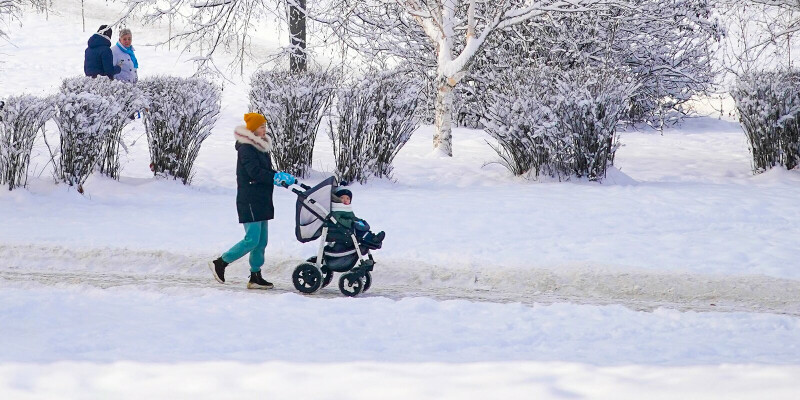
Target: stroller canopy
[313,208]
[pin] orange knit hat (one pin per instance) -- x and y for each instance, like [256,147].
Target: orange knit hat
[254,121]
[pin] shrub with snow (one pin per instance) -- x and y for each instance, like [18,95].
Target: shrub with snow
[21,120]
[294,105]
[523,128]
[86,114]
[181,114]
[588,109]
[350,132]
[397,98]
[130,99]
[769,107]
[375,118]
[560,123]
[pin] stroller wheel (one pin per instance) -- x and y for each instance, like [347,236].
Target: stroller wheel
[307,278]
[327,276]
[367,281]
[350,284]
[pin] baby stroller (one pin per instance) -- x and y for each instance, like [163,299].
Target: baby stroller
[339,251]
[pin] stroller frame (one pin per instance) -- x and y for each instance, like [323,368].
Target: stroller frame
[314,274]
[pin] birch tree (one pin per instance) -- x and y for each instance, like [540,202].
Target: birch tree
[456,31]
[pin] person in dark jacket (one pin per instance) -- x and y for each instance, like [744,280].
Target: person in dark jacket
[98,60]
[254,183]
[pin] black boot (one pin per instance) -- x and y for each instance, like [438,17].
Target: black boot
[218,269]
[374,238]
[257,282]
[374,241]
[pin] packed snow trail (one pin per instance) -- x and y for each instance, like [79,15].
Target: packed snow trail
[395,279]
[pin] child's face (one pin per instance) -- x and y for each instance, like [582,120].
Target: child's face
[345,199]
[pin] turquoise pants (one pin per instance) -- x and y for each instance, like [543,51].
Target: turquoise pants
[254,242]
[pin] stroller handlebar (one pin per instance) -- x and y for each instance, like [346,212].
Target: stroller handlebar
[297,192]
[296,182]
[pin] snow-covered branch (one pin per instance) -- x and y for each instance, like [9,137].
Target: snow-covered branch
[12,9]
[206,27]
[211,3]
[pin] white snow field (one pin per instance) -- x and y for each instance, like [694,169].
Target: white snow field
[678,277]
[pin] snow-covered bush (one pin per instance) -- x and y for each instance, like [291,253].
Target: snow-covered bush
[354,120]
[294,105]
[588,108]
[181,114]
[562,123]
[769,110]
[375,118]
[397,97]
[130,99]
[86,114]
[21,120]
[523,128]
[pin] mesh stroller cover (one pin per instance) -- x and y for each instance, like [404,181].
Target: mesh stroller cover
[313,210]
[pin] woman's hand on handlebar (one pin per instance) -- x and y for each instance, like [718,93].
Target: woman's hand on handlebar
[283,179]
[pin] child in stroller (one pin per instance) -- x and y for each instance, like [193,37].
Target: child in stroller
[340,249]
[343,212]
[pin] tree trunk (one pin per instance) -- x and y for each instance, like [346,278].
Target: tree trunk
[442,137]
[297,30]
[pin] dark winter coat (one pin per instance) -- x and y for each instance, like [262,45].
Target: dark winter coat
[98,60]
[254,175]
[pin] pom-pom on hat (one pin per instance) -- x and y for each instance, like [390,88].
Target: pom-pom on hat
[105,31]
[254,121]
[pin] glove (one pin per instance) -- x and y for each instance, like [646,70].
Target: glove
[283,178]
[360,226]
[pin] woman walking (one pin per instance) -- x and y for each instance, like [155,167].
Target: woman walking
[125,57]
[254,181]
[97,59]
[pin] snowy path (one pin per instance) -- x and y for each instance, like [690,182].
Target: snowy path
[373,380]
[78,322]
[90,333]
[643,291]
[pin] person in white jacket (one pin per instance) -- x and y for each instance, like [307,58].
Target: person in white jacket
[125,58]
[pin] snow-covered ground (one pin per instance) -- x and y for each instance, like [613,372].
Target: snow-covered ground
[677,277]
